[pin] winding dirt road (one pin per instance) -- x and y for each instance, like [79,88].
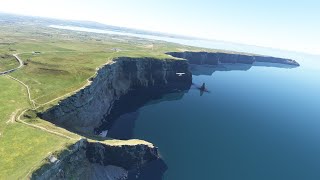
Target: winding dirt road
[14,69]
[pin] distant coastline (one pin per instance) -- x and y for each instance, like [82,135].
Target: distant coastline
[196,42]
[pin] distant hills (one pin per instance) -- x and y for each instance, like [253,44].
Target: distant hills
[13,18]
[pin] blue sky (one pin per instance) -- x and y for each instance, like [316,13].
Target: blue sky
[284,24]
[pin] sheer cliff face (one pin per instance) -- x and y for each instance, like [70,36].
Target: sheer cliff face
[211,58]
[125,156]
[89,108]
[94,160]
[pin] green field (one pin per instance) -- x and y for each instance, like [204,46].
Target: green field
[21,147]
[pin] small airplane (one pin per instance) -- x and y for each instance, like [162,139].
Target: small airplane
[180,74]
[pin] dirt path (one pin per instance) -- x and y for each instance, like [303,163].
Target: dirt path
[13,116]
[18,119]
[14,69]
[33,104]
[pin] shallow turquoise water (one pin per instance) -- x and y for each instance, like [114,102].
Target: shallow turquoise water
[263,123]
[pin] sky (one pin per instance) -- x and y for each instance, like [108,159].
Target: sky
[283,24]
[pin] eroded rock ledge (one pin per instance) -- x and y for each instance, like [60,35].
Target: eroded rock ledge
[95,160]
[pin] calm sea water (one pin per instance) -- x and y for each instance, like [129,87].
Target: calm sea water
[257,124]
[263,123]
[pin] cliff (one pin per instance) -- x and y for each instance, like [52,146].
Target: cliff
[119,87]
[216,58]
[95,160]
[95,107]
[126,84]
